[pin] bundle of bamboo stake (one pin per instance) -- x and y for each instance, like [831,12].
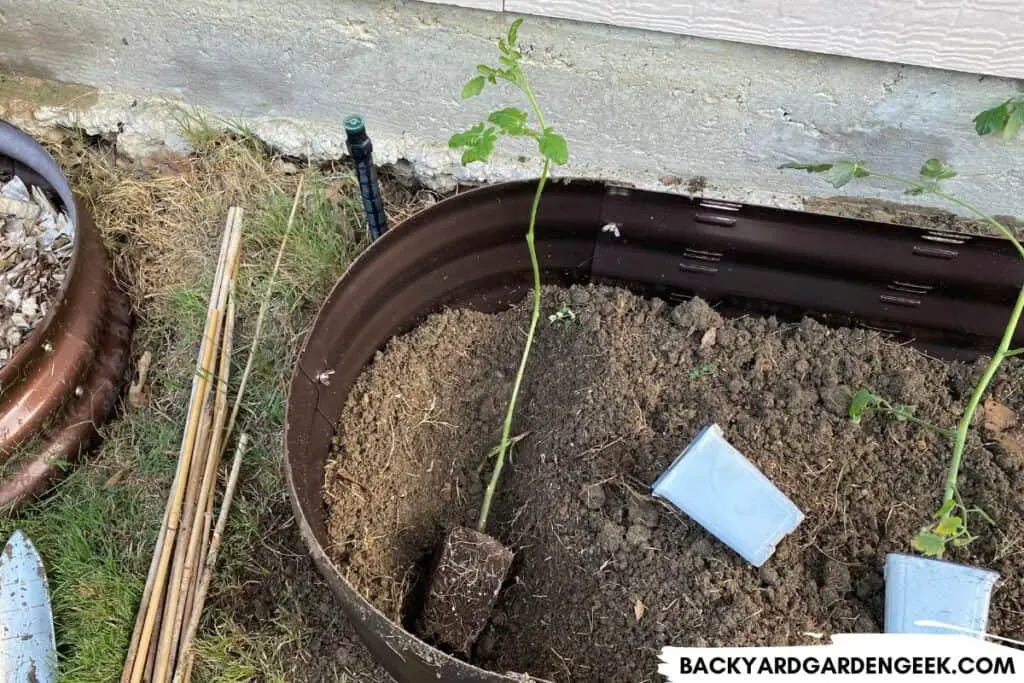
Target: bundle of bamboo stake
[187,547]
[186,550]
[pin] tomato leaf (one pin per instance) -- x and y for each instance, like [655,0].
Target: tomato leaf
[844,171]
[1014,122]
[929,544]
[949,526]
[510,121]
[553,147]
[513,31]
[992,120]
[474,87]
[936,169]
[810,168]
[482,147]
[478,143]
[466,138]
[490,73]
[861,401]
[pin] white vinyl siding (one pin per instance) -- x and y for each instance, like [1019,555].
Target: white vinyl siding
[977,36]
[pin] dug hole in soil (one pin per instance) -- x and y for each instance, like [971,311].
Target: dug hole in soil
[605,575]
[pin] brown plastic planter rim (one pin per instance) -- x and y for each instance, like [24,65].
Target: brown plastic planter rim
[468,251]
[62,381]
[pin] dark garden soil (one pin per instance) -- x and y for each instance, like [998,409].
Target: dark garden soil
[605,575]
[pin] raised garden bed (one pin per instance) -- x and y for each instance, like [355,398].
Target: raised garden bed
[605,575]
[62,379]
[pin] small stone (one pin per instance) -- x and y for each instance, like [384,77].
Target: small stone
[709,338]
[286,167]
[998,418]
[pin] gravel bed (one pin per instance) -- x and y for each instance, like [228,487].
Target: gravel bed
[36,243]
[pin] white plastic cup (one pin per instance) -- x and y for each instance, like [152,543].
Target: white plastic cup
[726,494]
[920,588]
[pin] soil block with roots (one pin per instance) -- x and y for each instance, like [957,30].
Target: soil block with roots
[464,586]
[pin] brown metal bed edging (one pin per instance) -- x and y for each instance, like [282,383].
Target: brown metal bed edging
[947,290]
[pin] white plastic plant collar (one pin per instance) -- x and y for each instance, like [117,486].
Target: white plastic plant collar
[920,589]
[726,494]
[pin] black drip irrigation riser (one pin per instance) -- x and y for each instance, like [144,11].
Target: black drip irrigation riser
[360,148]
[948,292]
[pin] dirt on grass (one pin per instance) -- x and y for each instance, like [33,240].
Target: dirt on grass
[281,583]
[604,574]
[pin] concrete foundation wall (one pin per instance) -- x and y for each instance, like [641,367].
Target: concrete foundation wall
[639,107]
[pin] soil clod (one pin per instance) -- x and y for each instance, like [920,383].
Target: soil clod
[463,589]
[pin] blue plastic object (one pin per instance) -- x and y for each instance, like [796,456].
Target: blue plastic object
[723,492]
[920,588]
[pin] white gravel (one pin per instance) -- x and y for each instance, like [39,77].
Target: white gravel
[36,242]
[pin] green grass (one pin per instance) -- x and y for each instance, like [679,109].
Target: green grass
[97,530]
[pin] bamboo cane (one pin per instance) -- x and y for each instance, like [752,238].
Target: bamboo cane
[150,661]
[192,492]
[184,673]
[147,619]
[171,609]
[165,653]
[209,480]
[143,613]
[207,530]
[205,438]
[133,647]
[264,307]
[229,338]
[210,560]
